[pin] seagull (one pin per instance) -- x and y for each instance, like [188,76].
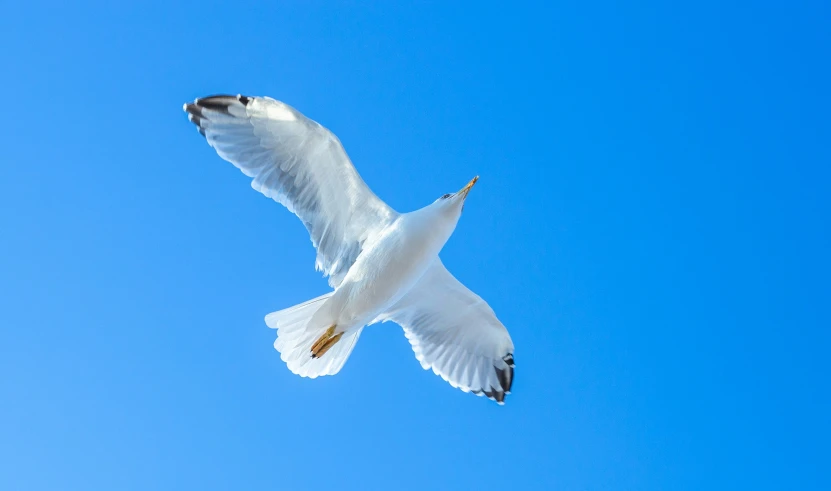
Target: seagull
[382,265]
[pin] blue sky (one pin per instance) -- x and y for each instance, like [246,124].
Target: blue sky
[651,223]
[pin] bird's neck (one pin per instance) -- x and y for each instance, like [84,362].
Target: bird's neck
[430,225]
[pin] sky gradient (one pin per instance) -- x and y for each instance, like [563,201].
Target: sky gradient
[651,224]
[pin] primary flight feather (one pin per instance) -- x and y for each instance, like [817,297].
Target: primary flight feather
[382,265]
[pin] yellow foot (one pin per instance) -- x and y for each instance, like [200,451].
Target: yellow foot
[326,341]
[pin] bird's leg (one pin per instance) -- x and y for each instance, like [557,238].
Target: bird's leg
[328,344]
[323,338]
[326,341]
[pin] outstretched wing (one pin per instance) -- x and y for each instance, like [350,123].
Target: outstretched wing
[301,165]
[454,332]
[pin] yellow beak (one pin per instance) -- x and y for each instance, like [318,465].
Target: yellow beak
[466,189]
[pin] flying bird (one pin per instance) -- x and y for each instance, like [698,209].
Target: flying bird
[382,265]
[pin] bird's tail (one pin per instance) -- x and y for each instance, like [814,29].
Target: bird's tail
[295,338]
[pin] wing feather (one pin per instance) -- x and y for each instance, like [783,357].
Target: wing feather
[301,165]
[454,332]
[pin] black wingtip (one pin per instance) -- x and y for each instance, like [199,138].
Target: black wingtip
[493,394]
[219,103]
[506,378]
[195,118]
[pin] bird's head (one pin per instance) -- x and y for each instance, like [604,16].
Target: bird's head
[453,203]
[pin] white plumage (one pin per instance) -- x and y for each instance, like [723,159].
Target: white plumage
[383,266]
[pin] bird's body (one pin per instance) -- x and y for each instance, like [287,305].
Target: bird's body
[389,267]
[383,265]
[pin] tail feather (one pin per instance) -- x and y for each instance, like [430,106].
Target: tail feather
[295,338]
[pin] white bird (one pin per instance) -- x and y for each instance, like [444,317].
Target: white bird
[382,265]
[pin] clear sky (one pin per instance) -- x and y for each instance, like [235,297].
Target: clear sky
[651,224]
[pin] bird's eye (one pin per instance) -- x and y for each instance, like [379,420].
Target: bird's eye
[446,196]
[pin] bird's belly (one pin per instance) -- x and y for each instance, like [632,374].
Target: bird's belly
[381,276]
